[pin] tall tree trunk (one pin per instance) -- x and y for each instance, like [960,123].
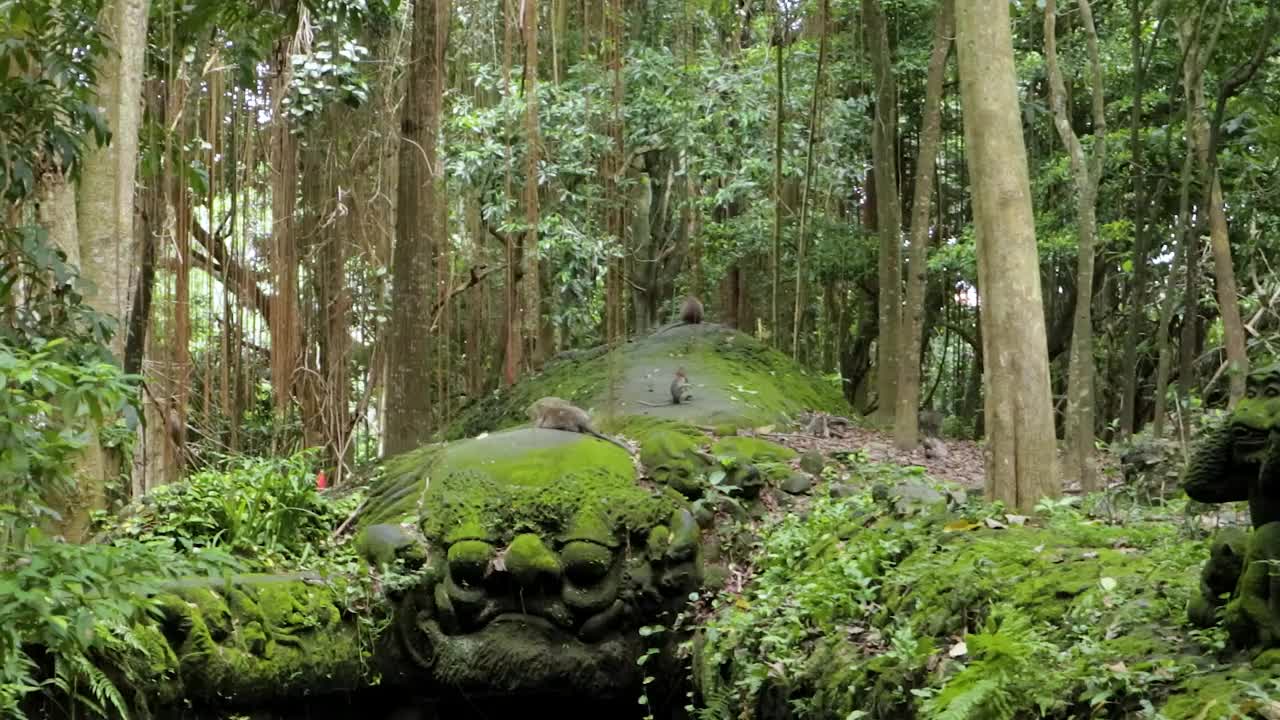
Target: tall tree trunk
[1183,253]
[1193,50]
[888,209]
[408,404]
[1138,294]
[797,323]
[775,252]
[105,202]
[285,321]
[1088,175]
[905,426]
[335,305]
[1164,353]
[1224,274]
[512,354]
[104,225]
[1219,243]
[1019,408]
[545,338]
[176,413]
[615,208]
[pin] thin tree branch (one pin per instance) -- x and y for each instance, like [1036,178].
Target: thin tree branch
[475,279]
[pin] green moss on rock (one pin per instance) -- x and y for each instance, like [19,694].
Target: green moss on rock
[251,639]
[736,382]
[752,450]
[496,487]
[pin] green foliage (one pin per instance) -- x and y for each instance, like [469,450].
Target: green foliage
[852,612]
[58,383]
[69,614]
[326,76]
[812,576]
[266,509]
[996,684]
[47,68]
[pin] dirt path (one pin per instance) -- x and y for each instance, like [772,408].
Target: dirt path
[962,464]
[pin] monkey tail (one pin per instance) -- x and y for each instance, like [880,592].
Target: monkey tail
[609,439]
[654,404]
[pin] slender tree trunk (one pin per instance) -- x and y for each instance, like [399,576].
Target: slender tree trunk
[797,323]
[1228,298]
[1019,409]
[1138,295]
[888,209]
[408,404]
[285,320]
[543,346]
[905,425]
[336,299]
[1088,175]
[1192,49]
[1219,242]
[775,255]
[1164,353]
[615,208]
[512,354]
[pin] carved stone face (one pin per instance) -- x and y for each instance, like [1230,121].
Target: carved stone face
[546,557]
[1258,413]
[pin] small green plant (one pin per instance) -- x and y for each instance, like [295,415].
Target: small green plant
[996,684]
[69,617]
[646,632]
[264,508]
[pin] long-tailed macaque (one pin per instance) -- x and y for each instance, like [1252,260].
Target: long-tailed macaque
[552,413]
[691,312]
[679,390]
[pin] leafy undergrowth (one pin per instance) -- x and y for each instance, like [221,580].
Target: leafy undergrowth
[861,610]
[265,510]
[72,616]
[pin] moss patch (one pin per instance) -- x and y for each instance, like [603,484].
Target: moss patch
[253,638]
[496,487]
[753,450]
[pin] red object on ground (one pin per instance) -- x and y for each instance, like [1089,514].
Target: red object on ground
[321,481]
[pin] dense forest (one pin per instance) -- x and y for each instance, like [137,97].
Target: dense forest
[252,252]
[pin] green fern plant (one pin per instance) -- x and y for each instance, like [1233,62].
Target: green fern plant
[996,685]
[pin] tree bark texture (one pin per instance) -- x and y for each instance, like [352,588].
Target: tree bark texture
[905,426]
[1087,172]
[888,208]
[1018,408]
[103,228]
[408,403]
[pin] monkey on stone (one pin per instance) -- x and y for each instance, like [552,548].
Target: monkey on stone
[552,413]
[679,390]
[691,312]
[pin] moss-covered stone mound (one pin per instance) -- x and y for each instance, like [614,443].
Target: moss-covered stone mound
[517,560]
[735,381]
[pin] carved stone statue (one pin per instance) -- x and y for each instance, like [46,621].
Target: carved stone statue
[1239,460]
